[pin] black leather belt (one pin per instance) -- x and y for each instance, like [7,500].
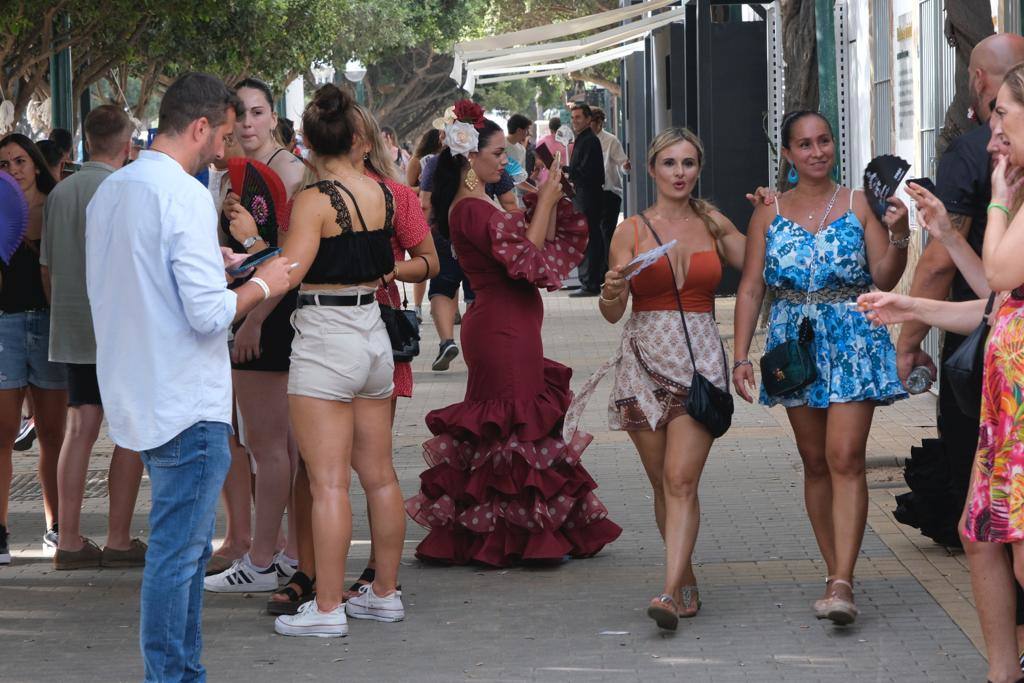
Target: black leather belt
[335,299]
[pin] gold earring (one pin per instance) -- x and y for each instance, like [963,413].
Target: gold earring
[471,180]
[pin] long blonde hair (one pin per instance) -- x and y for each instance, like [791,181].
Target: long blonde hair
[702,207]
[377,159]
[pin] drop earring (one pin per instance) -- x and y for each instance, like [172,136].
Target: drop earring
[793,177]
[471,180]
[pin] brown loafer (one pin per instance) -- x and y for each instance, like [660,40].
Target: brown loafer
[86,558]
[134,556]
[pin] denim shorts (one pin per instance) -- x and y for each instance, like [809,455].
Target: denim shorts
[24,352]
[450,276]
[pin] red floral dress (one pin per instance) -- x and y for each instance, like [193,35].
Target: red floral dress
[410,229]
[502,485]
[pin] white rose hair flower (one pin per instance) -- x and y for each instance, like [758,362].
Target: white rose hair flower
[462,138]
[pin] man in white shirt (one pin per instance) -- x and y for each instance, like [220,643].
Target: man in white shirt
[615,164]
[161,312]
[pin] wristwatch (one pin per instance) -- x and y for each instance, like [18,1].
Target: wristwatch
[249,241]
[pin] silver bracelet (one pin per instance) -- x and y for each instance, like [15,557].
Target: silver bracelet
[900,243]
[262,285]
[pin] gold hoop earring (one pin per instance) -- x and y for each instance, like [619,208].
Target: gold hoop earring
[471,180]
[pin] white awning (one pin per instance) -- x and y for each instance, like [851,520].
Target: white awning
[523,54]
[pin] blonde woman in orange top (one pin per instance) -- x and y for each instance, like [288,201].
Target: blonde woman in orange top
[653,368]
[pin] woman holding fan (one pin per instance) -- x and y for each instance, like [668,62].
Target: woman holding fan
[654,367]
[815,251]
[261,345]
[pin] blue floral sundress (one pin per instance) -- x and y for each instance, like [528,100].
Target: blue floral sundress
[856,362]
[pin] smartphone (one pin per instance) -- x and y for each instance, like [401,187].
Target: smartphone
[254,260]
[925,183]
[544,154]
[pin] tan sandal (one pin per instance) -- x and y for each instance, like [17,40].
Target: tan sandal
[690,602]
[820,606]
[664,612]
[838,610]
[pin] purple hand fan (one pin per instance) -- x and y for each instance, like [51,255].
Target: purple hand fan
[13,217]
[881,178]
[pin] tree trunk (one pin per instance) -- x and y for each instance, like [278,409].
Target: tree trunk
[409,90]
[800,53]
[967,23]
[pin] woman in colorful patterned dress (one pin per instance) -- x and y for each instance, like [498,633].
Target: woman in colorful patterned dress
[994,513]
[503,486]
[653,368]
[815,251]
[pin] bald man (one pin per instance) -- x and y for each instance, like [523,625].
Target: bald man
[964,186]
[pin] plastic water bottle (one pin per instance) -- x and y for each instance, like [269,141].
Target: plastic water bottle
[919,380]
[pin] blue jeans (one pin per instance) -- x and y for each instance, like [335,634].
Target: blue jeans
[186,475]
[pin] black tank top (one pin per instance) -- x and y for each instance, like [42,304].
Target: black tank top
[353,256]
[22,288]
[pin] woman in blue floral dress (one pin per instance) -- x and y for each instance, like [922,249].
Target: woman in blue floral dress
[814,250]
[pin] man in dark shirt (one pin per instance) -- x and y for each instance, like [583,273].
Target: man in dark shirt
[964,186]
[586,171]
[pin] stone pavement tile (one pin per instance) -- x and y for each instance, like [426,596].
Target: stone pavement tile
[756,563]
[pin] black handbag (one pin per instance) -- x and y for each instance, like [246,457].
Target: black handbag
[965,367]
[705,402]
[403,329]
[790,366]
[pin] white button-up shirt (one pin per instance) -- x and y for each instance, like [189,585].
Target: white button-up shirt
[160,306]
[614,158]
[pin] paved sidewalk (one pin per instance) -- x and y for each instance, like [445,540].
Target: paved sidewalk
[582,621]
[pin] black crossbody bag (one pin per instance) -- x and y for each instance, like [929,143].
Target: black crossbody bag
[965,367]
[403,329]
[705,402]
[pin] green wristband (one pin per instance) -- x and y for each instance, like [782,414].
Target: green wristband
[997,205]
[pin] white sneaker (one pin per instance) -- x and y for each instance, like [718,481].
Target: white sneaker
[310,621]
[369,605]
[242,577]
[285,566]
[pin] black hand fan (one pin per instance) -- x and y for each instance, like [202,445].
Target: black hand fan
[881,178]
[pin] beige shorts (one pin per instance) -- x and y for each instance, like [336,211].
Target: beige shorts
[341,352]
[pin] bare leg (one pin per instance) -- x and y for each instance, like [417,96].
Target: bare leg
[651,447]
[419,289]
[50,407]
[372,460]
[301,511]
[444,309]
[237,503]
[10,422]
[809,429]
[291,548]
[992,585]
[83,428]
[324,432]
[848,427]
[687,448]
[372,562]
[123,481]
[262,398]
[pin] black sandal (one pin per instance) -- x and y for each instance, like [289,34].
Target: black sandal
[368,575]
[291,606]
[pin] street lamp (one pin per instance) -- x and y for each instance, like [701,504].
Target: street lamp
[355,71]
[323,72]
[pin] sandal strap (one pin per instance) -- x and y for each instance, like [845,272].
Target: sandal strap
[368,575]
[688,593]
[842,581]
[289,591]
[301,580]
[666,598]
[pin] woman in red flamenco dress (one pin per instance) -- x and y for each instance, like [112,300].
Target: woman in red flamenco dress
[502,486]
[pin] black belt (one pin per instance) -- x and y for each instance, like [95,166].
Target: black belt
[335,299]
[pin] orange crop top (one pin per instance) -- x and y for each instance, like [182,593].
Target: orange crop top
[652,287]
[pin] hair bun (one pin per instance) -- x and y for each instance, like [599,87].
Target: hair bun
[332,103]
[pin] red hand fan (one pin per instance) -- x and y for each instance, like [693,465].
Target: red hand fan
[262,194]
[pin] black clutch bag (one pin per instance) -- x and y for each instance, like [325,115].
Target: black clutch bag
[965,367]
[790,366]
[705,402]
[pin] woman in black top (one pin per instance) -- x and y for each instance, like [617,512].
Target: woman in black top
[259,359]
[24,342]
[341,378]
